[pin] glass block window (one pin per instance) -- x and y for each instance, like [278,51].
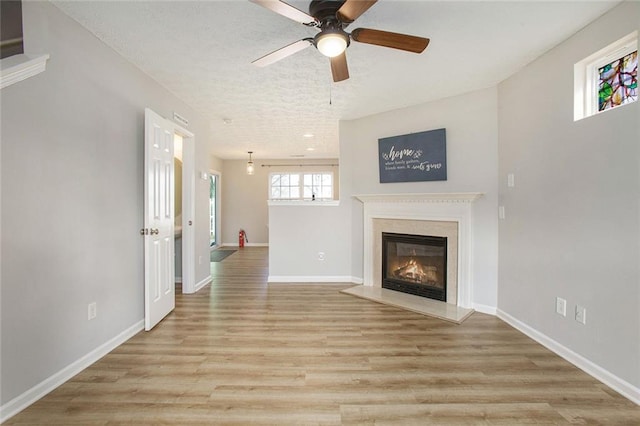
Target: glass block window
[301,186]
[618,82]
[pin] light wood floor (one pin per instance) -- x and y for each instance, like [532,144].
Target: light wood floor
[242,352]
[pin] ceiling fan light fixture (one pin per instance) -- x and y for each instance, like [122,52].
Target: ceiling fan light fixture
[332,42]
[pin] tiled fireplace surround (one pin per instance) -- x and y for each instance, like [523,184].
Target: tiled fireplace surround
[438,214]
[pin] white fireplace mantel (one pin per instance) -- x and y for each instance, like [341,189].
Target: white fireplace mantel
[444,197]
[448,207]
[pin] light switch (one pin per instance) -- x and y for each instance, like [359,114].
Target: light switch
[501,213]
[511,180]
[561,306]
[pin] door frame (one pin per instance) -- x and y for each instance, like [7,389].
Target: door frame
[188,208]
[218,208]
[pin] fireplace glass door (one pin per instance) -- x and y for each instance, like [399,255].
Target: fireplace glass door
[415,264]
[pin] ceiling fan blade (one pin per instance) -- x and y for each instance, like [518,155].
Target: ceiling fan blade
[286,10]
[388,39]
[282,53]
[339,68]
[352,9]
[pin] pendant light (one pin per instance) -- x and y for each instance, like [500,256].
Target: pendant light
[250,168]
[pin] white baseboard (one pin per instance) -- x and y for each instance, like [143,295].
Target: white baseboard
[309,279]
[22,401]
[246,245]
[485,309]
[616,383]
[357,280]
[202,283]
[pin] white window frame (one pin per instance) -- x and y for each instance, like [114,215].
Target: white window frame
[586,75]
[301,185]
[317,197]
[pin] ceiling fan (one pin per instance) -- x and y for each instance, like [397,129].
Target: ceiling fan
[331,17]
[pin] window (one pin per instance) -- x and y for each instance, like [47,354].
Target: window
[318,186]
[618,82]
[607,79]
[301,186]
[16,65]
[285,186]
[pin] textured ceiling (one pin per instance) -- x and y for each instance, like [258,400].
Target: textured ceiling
[202,51]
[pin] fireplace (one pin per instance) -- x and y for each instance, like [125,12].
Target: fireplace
[415,264]
[439,214]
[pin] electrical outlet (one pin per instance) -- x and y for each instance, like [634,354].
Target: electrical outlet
[320,256]
[92,311]
[561,306]
[581,314]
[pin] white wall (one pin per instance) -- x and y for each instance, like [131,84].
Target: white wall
[299,233]
[244,204]
[470,121]
[572,221]
[72,199]
[215,163]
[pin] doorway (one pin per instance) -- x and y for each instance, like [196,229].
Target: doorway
[177,178]
[214,209]
[184,215]
[161,138]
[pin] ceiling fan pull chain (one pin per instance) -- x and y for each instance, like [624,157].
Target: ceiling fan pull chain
[330,100]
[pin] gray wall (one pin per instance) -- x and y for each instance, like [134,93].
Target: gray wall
[244,204]
[472,145]
[299,233]
[572,220]
[72,199]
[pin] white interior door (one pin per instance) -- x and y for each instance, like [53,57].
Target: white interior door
[159,286]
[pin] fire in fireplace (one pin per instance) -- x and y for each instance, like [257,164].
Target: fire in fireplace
[415,264]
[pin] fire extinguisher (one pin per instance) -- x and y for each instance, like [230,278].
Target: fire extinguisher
[242,238]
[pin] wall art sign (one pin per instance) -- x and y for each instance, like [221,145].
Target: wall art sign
[416,157]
